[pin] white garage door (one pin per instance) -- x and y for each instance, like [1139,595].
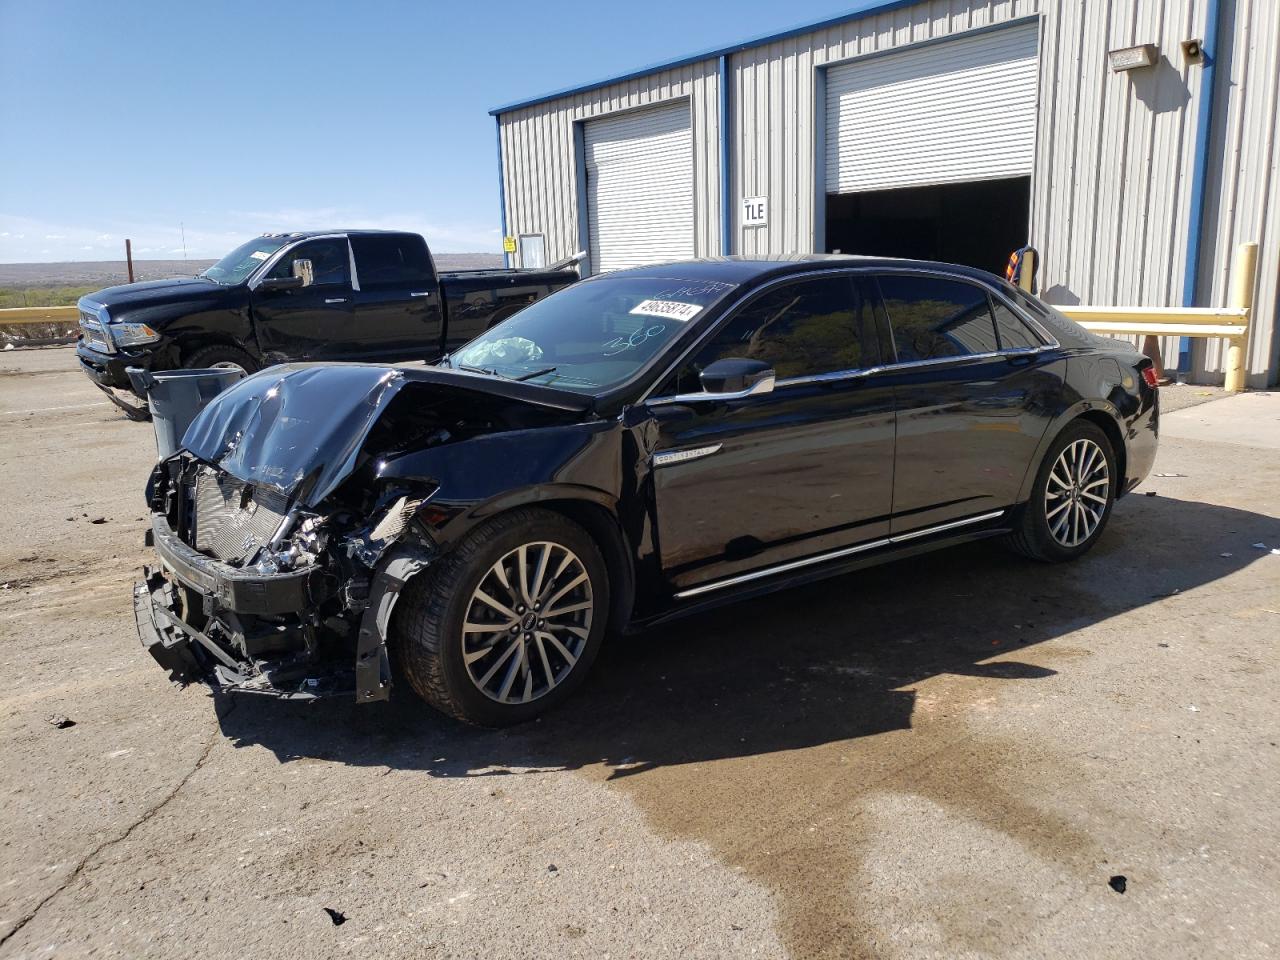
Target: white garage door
[640,188]
[964,109]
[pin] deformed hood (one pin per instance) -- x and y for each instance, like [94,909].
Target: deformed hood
[299,428]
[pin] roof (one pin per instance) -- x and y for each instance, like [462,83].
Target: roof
[864,8]
[740,269]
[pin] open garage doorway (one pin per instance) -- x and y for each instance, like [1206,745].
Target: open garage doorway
[977,224]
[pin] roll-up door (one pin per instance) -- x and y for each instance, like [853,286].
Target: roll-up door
[640,187]
[958,110]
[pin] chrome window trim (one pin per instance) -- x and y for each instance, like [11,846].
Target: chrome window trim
[256,278]
[759,388]
[1050,342]
[832,555]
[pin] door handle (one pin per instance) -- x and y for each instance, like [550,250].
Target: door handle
[424,293]
[336,300]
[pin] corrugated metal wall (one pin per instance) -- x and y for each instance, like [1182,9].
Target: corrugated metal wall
[775,136]
[1111,192]
[1243,200]
[539,157]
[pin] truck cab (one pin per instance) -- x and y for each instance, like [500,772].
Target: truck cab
[360,295]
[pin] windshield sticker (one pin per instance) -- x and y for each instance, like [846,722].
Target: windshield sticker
[259,255]
[668,309]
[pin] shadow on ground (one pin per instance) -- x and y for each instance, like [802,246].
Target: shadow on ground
[810,697]
[811,665]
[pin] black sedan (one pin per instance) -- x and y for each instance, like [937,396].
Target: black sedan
[638,446]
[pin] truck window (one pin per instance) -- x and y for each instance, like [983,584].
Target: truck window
[329,261]
[391,262]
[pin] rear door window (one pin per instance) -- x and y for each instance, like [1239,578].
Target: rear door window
[1014,334]
[933,318]
[392,262]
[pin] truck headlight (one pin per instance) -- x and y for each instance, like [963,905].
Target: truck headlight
[132,334]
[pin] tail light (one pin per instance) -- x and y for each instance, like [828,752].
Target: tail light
[1149,375]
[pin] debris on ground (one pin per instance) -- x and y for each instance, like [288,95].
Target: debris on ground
[552,868]
[1118,882]
[1226,555]
[99,520]
[1151,493]
[336,916]
[1168,474]
[1193,708]
[60,721]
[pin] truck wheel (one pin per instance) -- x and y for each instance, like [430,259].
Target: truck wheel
[506,625]
[220,357]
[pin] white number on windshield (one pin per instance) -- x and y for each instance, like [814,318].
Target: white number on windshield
[621,344]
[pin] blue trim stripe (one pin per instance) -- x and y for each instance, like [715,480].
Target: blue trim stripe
[866,8]
[1204,131]
[502,192]
[726,187]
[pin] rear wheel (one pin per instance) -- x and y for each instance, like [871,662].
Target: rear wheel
[1072,498]
[506,625]
[220,356]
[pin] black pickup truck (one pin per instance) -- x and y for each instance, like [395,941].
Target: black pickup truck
[324,295]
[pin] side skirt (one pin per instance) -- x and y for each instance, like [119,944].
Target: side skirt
[821,571]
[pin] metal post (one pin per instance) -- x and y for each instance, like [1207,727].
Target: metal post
[1244,273]
[128,257]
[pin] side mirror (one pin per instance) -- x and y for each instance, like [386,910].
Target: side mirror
[303,270]
[734,376]
[281,283]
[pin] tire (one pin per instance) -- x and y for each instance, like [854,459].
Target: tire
[483,674]
[220,355]
[1062,521]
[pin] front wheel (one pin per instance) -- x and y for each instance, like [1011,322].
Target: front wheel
[219,356]
[506,625]
[1071,501]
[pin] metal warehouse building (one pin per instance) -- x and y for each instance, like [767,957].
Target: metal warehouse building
[1132,158]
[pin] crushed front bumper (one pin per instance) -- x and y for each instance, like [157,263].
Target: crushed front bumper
[274,622]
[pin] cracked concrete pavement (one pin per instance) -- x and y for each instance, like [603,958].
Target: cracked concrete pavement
[945,757]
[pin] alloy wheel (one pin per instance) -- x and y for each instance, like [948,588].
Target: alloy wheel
[527,622]
[1077,493]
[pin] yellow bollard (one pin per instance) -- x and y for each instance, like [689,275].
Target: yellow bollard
[1243,274]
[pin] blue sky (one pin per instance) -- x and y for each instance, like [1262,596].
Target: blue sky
[130,118]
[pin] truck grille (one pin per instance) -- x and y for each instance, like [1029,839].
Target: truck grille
[233,519]
[94,335]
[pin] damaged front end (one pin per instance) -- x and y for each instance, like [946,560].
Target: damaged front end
[260,597]
[282,538]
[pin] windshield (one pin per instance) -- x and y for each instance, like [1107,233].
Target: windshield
[236,266]
[594,335]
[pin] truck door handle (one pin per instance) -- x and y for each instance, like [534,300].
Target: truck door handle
[424,293]
[336,300]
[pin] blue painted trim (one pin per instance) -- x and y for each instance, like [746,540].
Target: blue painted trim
[726,172]
[502,191]
[866,8]
[580,190]
[820,160]
[1200,173]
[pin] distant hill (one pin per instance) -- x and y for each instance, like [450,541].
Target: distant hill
[103,273]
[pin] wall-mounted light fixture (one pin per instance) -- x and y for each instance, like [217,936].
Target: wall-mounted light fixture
[1133,58]
[1193,51]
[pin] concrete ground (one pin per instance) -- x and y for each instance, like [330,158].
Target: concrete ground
[945,757]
